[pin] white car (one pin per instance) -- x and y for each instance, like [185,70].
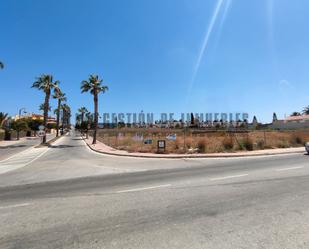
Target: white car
[307,147]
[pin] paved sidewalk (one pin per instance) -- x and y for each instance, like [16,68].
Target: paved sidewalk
[104,149]
[11,142]
[12,147]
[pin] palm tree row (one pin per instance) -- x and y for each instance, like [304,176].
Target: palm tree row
[60,96]
[46,84]
[95,87]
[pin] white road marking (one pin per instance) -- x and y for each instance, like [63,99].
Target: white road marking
[141,189]
[227,177]
[21,160]
[15,206]
[13,156]
[291,168]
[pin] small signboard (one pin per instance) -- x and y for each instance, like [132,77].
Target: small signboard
[148,141]
[41,133]
[138,137]
[161,145]
[171,137]
[41,127]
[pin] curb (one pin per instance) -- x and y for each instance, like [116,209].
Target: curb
[50,142]
[184,156]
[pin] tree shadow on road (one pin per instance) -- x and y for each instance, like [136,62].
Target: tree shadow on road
[61,146]
[13,146]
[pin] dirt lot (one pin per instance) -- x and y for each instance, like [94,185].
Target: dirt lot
[193,141]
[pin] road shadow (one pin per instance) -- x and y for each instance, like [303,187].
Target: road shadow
[13,146]
[77,139]
[61,146]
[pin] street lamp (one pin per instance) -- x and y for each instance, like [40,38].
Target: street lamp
[19,112]
[19,115]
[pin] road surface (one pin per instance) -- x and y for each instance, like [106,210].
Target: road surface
[70,197]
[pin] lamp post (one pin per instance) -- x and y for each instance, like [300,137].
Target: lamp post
[19,116]
[20,110]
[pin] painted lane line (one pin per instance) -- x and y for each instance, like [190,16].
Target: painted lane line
[291,168]
[142,189]
[13,164]
[227,177]
[15,206]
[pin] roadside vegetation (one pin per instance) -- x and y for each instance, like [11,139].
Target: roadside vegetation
[202,142]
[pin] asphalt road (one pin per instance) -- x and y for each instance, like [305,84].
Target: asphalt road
[71,197]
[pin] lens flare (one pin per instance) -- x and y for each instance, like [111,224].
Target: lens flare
[205,43]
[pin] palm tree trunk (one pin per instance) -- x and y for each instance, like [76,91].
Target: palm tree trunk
[95,98]
[46,107]
[63,118]
[81,124]
[58,117]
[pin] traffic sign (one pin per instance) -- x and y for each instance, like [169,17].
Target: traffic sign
[161,144]
[41,133]
[41,127]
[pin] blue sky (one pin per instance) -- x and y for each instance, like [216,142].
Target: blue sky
[159,55]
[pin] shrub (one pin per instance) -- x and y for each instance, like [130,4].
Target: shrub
[228,143]
[260,144]
[201,145]
[297,140]
[283,144]
[247,144]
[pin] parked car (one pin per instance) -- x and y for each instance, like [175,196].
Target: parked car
[307,147]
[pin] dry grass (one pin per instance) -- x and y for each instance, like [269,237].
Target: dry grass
[211,142]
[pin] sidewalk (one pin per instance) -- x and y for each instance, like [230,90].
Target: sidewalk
[11,142]
[104,149]
[4,143]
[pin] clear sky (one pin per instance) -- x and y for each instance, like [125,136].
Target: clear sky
[159,55]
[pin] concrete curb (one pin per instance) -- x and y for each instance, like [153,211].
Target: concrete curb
[50,141]
[184,156]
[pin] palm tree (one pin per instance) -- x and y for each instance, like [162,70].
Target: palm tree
[3,117]
[41,108]
[306,110]
[45,83]
[83,110]
[66,114]
[89,121]
[94,85]
[60,96]
[1,65]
